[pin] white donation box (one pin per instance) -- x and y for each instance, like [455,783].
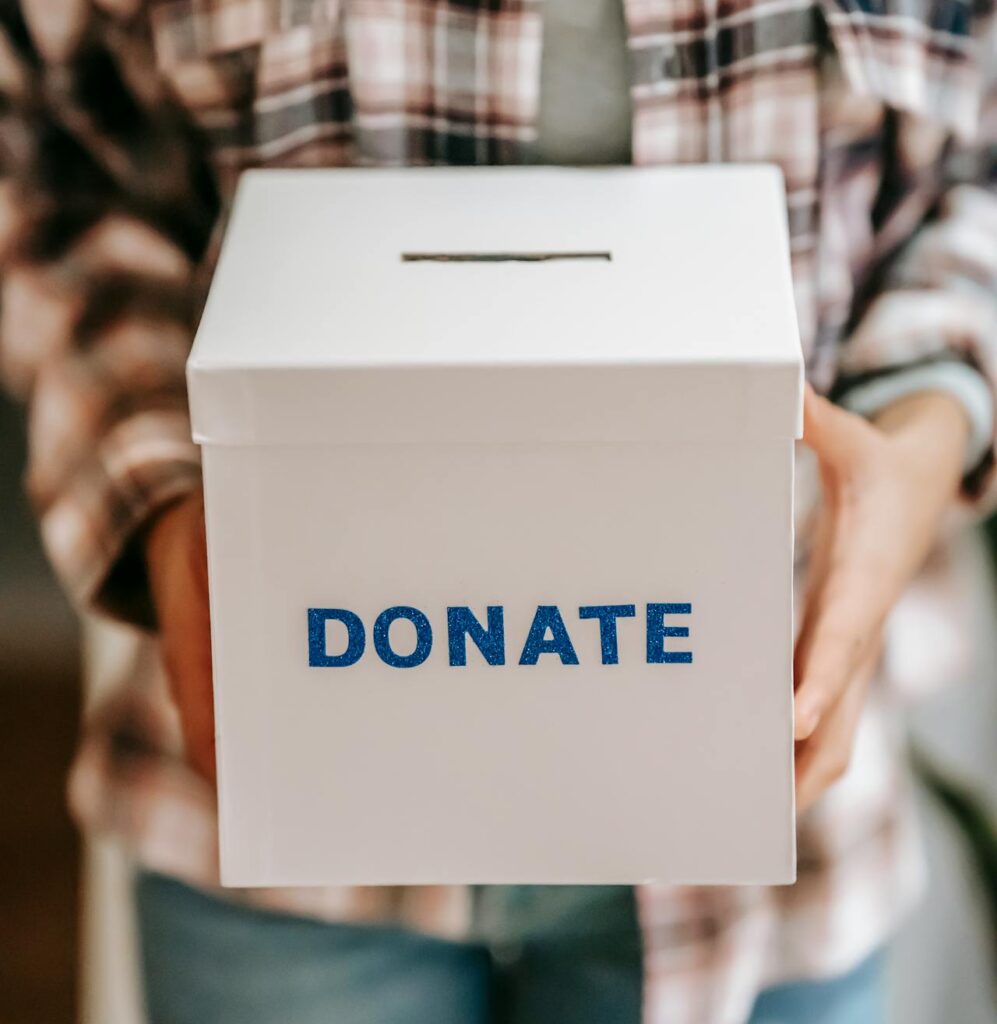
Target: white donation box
[498,471]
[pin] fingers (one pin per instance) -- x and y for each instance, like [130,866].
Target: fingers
[837,638]
[201,750]
[847,596]
[199,744]
[178,577]
[188,667]
[198,717]
[848,599]
[824,757]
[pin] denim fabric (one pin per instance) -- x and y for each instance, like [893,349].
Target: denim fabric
[858,997]
[538,955]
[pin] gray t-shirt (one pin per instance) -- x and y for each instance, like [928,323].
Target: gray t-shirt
[585,110]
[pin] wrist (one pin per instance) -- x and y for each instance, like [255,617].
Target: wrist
[964,383]
[935,427]
[170,524]
[922,408]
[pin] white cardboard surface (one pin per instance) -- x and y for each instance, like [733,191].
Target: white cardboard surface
[315,325]
[571,481]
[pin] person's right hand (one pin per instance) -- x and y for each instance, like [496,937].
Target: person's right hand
[176,556]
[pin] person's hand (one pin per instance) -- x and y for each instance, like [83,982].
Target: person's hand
[176,556]
[885,486]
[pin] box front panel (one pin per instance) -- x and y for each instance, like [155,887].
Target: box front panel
[468,663]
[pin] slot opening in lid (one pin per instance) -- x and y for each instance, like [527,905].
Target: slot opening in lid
[502,257]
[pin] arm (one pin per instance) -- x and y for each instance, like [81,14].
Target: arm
[107,203]
[915,365]
[105,210]
[930,322]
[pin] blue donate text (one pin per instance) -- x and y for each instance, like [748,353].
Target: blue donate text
[411,642]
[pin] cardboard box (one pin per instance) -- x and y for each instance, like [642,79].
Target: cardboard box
[498,468]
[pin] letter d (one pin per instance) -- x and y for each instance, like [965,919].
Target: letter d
[318,655]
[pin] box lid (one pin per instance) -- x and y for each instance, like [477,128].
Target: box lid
[500,305]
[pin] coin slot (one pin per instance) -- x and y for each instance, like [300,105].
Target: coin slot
[502,257]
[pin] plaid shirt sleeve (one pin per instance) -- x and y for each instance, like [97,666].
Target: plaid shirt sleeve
[106,205]
[935,299]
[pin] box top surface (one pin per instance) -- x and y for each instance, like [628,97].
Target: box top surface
[652,269]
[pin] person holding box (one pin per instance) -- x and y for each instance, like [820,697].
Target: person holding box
[125,125]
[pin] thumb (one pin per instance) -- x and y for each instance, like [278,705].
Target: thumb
[832,432]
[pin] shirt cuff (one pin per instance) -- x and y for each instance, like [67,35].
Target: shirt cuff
[962,382]
[93,530]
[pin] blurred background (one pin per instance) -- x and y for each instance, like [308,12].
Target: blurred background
[40,690]
[65,941]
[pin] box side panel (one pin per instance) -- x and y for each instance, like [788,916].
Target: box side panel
[243,657]
[498,773]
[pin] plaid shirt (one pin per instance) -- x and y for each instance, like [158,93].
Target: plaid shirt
[123,127]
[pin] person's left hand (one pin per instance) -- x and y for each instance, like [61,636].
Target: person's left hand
[886,485]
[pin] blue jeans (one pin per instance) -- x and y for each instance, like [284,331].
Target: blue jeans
[538,955]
